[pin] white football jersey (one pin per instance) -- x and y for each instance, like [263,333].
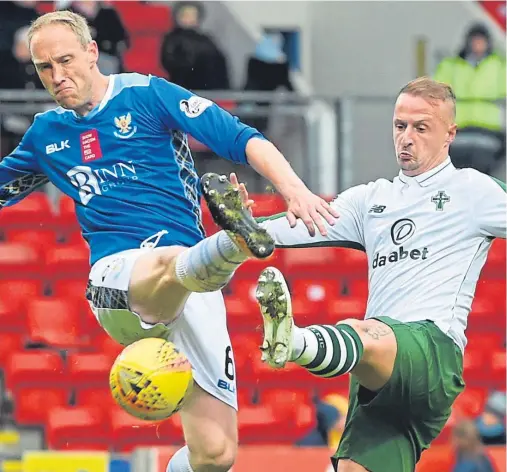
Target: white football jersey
[426,238]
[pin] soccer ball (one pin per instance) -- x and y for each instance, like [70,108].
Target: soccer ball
[151,379]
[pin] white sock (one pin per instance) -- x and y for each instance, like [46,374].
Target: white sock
[299,342]
[210,264]
[179,462]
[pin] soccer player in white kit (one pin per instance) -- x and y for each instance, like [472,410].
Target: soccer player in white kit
[426,234]
[117,145]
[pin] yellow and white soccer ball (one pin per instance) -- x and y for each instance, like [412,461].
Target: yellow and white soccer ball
[151,379]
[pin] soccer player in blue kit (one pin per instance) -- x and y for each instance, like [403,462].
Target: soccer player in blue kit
[117,145]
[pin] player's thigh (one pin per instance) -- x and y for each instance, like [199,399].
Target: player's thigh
[379,352]
[347,465]
[209,417]
[210,428]
[154,292]
[108,294]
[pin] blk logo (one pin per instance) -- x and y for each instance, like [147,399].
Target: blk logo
[51,148]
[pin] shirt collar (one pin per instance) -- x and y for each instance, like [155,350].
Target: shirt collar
[425,178]
[98,108]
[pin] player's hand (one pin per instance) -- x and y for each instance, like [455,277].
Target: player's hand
[243,192]
[311,209]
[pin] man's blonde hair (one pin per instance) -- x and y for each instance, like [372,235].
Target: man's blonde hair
[431,90]
[75,22]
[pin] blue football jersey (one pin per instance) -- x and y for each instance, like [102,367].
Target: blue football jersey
[127,164]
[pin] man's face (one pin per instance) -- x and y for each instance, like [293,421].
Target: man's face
[422,132]
[479,45]
[64,65]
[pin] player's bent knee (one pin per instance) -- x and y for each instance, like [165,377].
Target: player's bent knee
[217,455]
[347,465]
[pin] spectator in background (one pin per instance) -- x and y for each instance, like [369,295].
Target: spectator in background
[14,15]
[469,450]
[189,56]
[331,413]
[267,71]
[478,78]
[18,71]
[268,68]
[108,30]
[491,423]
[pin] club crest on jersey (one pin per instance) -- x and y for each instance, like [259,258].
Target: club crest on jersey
[124,125]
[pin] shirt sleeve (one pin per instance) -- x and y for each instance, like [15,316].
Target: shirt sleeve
[348,230]
[20,173]
[490,210]
[203,119]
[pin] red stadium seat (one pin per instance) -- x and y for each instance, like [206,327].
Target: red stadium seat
[107,345]
[55,322]
[68,261]
[495,267]
[68,225]
[9,343]
[498,368]
[20,261]
[35,368]
[98,397]
[33,212]
[72,287]
[268,204]
[313,261]
[291,376]
[129,432]
[486,315]
[82,428]
[253,267]
[470,403]
[32,405]
[155,19]
[477,367]
[88,370]
[40,240]
[14,296]
[353,263]
[346,307]
[270,423]
[246,348]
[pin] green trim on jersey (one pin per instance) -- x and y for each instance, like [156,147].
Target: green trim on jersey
[499,182]
[346,244]
[260,219]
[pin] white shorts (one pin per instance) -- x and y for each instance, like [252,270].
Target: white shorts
[200,331]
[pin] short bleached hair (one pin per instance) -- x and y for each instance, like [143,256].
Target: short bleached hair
[75,22]
[431,90]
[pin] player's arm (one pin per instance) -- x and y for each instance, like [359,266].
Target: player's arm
[20,173]
[346,232]
[228,137]
[490,206]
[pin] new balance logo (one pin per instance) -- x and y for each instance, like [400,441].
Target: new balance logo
[377,209]
[51,148]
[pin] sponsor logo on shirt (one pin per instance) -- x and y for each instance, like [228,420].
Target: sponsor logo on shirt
[401,231]
[57,147]
[195,106]
[92,182]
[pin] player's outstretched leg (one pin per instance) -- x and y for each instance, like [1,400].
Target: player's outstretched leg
[228,211]
[209,265]
[324,350]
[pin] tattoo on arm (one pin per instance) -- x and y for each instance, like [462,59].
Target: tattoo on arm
[376,332]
